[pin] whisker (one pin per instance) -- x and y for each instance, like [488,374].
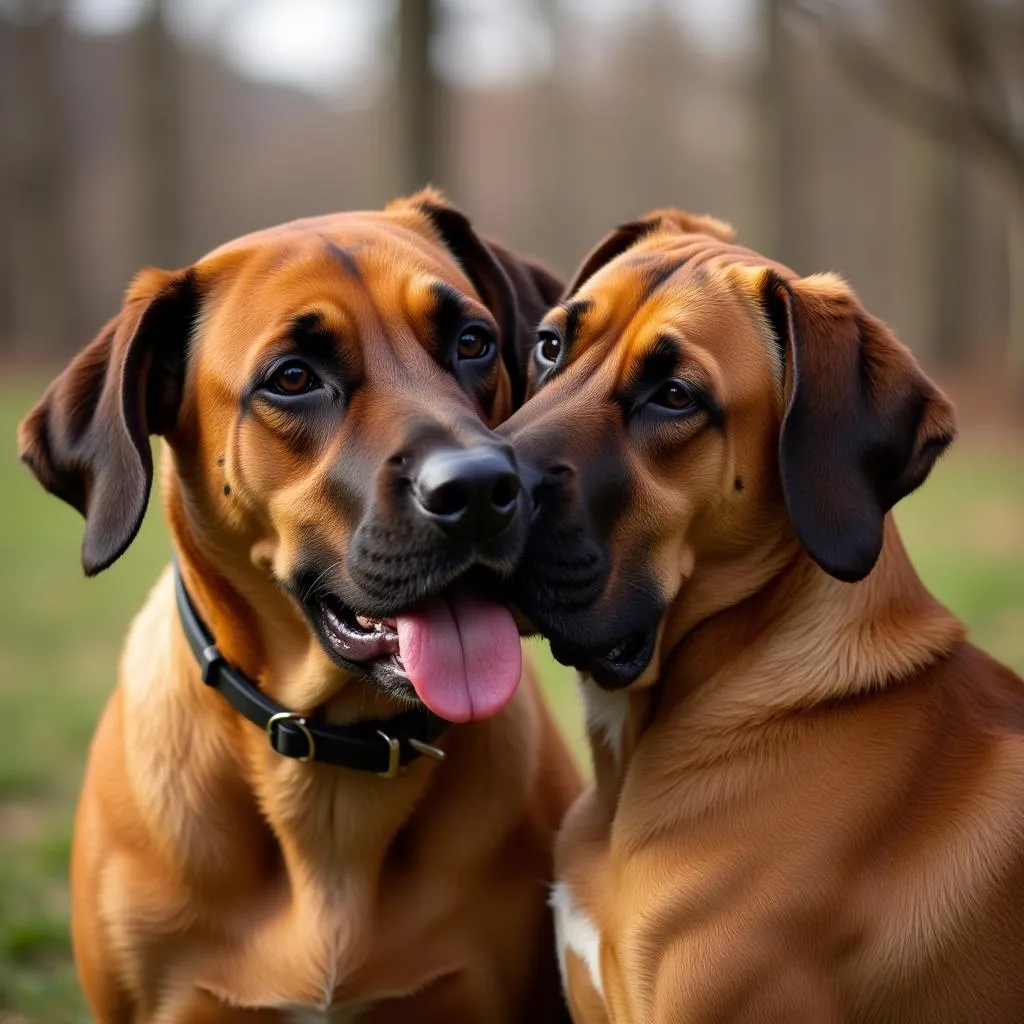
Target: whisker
[312,587]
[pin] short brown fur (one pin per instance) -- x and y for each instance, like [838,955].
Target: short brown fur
[212,879]
[809,806]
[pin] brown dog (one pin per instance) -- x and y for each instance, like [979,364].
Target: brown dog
[331,488]
[809,798]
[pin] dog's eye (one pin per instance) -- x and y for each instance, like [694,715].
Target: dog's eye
[677,396]
[293,378]
[549,346]
[474,343]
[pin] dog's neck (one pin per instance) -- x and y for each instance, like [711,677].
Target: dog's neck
[799,640]
[257,627]
[323,816]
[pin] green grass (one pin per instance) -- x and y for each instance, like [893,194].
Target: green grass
[60,635]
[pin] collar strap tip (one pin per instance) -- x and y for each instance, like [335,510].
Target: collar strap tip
[210,661]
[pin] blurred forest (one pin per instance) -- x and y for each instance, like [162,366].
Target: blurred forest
[883,139]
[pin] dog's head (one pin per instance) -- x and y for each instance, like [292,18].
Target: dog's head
[326,389]
[697,414]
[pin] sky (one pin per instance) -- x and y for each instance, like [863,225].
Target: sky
[339,47]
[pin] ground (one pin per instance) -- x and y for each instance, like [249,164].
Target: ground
[60,634]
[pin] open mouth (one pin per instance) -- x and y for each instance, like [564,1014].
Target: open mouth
[358,638]
[615,667]
[458,651]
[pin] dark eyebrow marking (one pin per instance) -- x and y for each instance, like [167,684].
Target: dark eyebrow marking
[657,276]
[343,257]
[575,310]
[657,365]
[448,313]
[309,334]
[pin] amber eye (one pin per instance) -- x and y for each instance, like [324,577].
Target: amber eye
[293,378]
[474,344]
[549,346]
[677,396]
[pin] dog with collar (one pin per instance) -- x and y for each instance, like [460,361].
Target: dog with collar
[809,788]
[324,391]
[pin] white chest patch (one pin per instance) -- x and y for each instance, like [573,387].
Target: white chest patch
[575,931]
[606,712]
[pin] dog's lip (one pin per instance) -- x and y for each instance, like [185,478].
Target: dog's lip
[627,650]
[614,666]
[357,638]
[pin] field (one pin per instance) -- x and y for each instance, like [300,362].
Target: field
[60,634]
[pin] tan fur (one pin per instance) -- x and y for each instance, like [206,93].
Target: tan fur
[216,881]
[814,810]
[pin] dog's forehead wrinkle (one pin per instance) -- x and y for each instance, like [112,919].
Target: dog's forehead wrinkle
[345,257]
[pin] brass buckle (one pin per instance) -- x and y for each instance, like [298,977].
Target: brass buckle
[300,721]
[394,755]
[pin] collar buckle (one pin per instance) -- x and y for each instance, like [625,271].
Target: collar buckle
[394,755]
[300,723]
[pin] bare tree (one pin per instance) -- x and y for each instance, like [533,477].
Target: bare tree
[972,113]
[419,96]
[975,114]
[778,139]
[156,137]
[37,172]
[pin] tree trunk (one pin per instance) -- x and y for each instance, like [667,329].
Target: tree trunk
[419,98]
[156,139]
[37,185]
[777,138]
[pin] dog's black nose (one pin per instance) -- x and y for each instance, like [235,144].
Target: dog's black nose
[470,493]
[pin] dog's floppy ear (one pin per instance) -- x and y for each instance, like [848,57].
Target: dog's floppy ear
[862,425]
[518,292]
[536,290]
[87,440]
[625,236]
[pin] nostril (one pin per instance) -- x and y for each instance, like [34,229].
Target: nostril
[447,500]
[505,492]
[561,470]
[471,494]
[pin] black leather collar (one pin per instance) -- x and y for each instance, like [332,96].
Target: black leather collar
[380,745]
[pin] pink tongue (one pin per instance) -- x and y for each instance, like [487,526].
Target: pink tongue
[462,656]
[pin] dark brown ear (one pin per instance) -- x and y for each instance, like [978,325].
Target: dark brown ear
[625,236]
[536,290]
[87,440]
[862,426]
[515,290]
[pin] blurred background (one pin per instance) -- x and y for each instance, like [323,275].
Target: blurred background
[883,139]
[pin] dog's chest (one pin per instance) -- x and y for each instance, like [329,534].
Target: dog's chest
[606,713]
[314,962]
[577,934]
